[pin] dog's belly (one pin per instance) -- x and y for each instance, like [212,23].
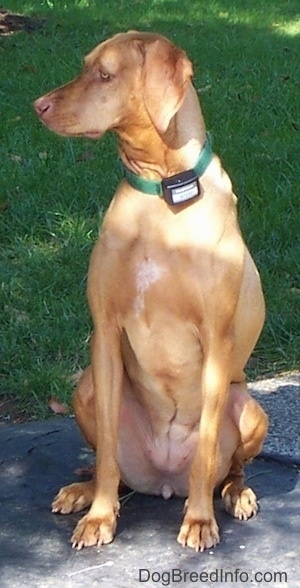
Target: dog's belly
[158,462]
[154,464]
[161,409]
[161,406]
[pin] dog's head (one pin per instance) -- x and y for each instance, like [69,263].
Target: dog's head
[131,79]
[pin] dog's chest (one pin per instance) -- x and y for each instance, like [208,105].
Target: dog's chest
[146,273]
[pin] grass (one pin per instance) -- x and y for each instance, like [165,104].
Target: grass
[54,191]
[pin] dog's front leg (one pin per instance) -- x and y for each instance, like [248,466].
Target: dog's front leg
[199,529]
[99,525]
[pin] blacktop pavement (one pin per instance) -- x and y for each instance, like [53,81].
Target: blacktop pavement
[36,458]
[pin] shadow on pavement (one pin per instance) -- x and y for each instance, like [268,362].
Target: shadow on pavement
[37,458]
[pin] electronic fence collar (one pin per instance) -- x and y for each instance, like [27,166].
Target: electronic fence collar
[179,188]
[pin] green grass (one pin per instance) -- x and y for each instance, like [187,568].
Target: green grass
[54,191]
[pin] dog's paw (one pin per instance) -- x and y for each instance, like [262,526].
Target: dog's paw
[198,535]
[93,530]
[240,502]
[73,498]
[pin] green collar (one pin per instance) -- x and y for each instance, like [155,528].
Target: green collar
[155,187]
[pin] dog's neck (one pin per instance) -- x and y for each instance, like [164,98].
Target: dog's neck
[156,157]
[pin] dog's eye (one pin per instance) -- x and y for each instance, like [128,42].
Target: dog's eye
[105,76]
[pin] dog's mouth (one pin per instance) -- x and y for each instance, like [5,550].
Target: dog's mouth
[92,134]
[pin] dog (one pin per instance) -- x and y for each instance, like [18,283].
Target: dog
[175,298]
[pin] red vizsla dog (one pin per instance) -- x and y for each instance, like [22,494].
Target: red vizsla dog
[175,298]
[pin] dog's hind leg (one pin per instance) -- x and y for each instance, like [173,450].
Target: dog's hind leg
[239,500]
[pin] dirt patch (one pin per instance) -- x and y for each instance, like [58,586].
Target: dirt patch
[10,413]
[11,22]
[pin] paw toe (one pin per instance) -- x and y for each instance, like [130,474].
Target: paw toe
[199,535]
[241,503]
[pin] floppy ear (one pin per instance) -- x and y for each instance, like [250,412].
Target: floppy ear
[166,72]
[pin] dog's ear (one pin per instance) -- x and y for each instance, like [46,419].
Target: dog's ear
[166,72]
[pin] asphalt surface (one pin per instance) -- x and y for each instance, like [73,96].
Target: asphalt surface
[37,458]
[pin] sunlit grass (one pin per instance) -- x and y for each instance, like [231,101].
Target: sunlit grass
[291,29]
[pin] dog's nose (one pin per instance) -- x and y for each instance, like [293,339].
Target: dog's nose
[43,105]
